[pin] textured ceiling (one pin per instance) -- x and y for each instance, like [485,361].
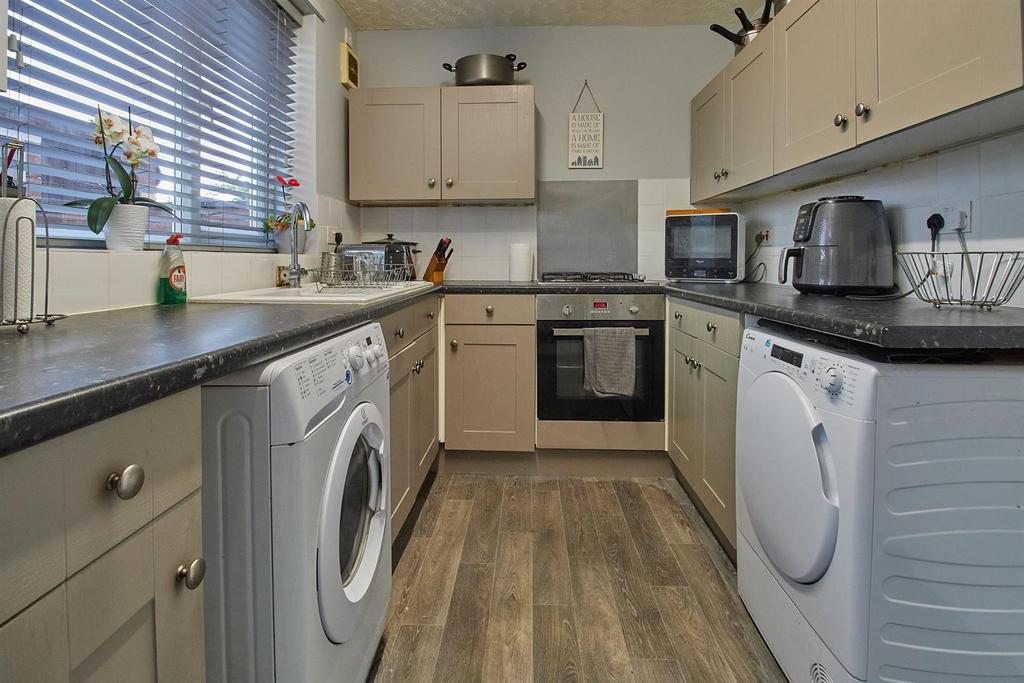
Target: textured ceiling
[415,14]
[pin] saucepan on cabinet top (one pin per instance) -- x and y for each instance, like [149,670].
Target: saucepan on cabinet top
[483,69]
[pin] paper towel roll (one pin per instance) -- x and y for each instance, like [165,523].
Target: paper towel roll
[520,262]
[16,260]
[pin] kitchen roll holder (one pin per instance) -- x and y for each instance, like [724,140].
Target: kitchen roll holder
[21,315]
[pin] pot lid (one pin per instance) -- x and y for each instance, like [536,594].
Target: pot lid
[390,239]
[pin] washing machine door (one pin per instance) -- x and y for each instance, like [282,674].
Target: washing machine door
[787,476]
[353,522]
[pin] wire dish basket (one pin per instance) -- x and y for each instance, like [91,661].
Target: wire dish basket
[971,278]
[358,275]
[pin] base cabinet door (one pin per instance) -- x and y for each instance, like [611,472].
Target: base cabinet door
[813,64]
[424,423]
[395,144]
[487,143]
[685,407]
[401,369]
[916,60]
[34,644]
[490,380]
[717,484]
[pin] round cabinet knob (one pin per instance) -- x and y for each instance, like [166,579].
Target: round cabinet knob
[839,121]
[191,574]
[430,315]
[725,173]
[449,182]
[695,364]
[634,309]
[718,176]
[431,182]
[454,344]
[833,379]
[128,482]
[356,356]
[489,310]
[861,109]
[567,310]
[399,332]
[678,315]
[711,327]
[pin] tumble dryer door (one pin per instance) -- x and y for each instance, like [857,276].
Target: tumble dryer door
[353,522]
[787,476]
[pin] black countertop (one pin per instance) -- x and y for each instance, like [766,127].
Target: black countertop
[907,323]
[94,366]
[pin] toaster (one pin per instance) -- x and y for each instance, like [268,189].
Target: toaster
[842,245]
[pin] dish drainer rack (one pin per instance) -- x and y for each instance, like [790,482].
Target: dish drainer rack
[970,278]
[359,275]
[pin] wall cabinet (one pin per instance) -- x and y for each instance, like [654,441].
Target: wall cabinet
[413,367]
[415,145]
[831,75]
[490,373]
[702,408]
[97,593]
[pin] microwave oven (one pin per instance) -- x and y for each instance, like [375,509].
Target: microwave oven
[705,247]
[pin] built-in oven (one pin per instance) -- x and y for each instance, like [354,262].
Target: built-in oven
[569,414]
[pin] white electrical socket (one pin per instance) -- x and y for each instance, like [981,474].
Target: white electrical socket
[957,216]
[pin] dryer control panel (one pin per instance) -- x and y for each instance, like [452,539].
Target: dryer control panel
[831,380]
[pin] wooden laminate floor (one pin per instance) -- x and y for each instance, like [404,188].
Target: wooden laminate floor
[518,578]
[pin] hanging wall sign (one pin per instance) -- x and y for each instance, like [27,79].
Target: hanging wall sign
[586,135]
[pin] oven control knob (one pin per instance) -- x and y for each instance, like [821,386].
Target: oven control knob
[634,309]
[832,380]
[567,310]
[355,355]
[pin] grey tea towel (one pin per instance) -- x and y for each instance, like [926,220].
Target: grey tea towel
[609,360]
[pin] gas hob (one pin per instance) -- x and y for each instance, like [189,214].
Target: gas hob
[562,277]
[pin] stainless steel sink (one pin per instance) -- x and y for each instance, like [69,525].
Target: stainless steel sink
[308,294]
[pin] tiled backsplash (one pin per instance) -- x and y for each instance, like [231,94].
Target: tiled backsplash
[654,198]
[987,176]
[481,235]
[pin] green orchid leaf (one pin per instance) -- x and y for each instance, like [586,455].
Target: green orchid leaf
[123,179]
[146,201]
[80,203]
[99,212]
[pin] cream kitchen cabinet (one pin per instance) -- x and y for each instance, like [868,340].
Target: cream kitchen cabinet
[431,145]
[731,124]
[490,372]
[703,374]
[814,82]
[916,61]
[103,567]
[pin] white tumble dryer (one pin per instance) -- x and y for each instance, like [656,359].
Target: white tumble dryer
[296,529]
[878,509]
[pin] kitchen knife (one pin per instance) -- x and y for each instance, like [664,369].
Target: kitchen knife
[449,256]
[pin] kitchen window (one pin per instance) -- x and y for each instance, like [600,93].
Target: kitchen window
[212,78]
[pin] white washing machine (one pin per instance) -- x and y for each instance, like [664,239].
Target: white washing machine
[878,511]
[296,529]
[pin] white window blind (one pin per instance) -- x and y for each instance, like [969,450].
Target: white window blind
[212,78]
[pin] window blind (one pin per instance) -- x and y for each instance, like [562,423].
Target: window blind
[212,78]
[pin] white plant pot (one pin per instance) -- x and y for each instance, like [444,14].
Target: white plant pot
[283,240]
[126,228]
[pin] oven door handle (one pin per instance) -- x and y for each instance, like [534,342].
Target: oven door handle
[559,332]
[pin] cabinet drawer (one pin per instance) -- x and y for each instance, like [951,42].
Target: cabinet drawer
[32,533]
[403,326]
[716,326]
[490,309]
[34,645]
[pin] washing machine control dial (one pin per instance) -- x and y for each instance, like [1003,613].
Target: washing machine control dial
[832,380]
[378,350]
[369,355]
[355,355]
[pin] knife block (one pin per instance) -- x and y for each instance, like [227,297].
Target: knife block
[435,270]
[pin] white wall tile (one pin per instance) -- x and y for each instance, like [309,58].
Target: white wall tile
[132,278]
[650,191]
[79,281]
[205,272]
[677,193]
[651,216]
[1001,169]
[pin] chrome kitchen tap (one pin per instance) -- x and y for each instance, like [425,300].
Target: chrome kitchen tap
[295,272]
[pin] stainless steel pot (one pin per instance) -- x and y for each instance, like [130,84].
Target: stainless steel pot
[485,69]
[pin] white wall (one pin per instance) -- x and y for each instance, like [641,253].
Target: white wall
[988,176]
[643,79]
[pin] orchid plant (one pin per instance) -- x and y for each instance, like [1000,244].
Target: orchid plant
[135,144]
[278,223]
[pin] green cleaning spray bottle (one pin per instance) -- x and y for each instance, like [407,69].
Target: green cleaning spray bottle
[171,285]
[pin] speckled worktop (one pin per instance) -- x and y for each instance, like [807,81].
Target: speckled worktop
[906,323]
[93,366]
